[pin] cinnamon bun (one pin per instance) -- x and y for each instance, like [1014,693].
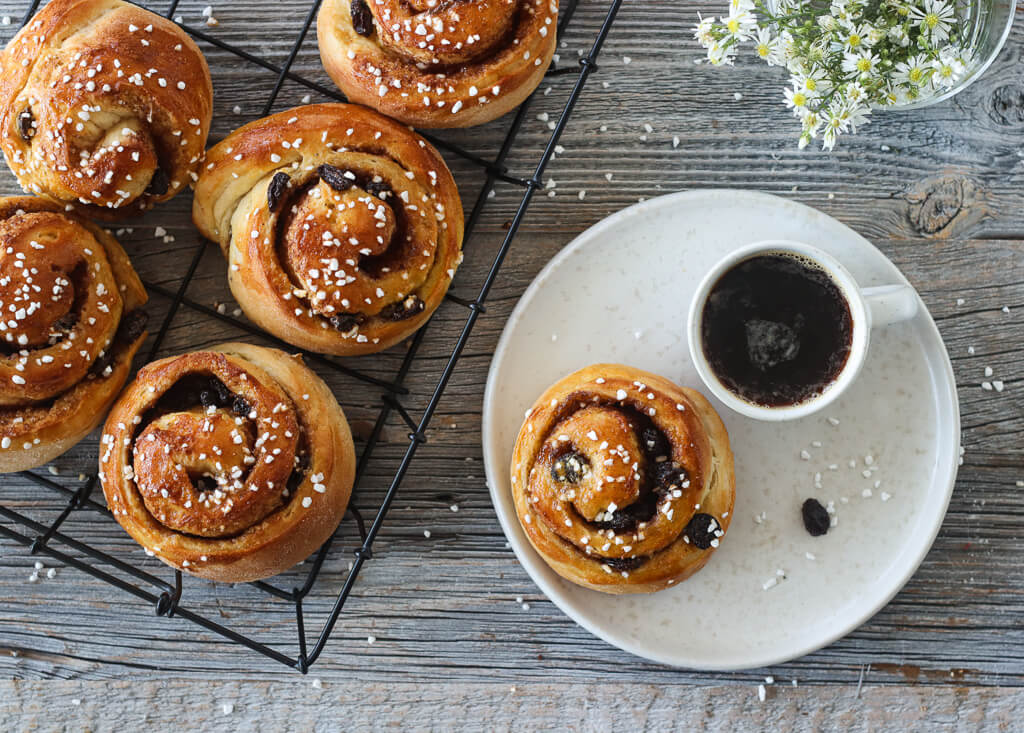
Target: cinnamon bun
[232,464]
[438,64]
[342,228]
[104,107]
[622,481]
[70,323]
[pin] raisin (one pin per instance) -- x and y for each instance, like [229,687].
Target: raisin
[623,563]
[133,324]
[27,125]
[362,18]
[403,309]
[669,475]
[569,468]
[702,530]
[380,189]
[655,443]
[816,518]
[224,395]
[104,360]
[619,522]
[345,322]
[205,484]
[336,178]
[159,184]
[276,189]
[241,407]
[65,323]
[626,519]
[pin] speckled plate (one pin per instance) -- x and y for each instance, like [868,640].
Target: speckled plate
[887,451]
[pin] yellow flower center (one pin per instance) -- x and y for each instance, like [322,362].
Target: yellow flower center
[763,51]
[799,99]
[863,65]
[854,40]
[916,75]
[733,25]
[931,20]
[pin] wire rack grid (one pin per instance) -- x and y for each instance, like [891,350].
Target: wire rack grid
[166,596]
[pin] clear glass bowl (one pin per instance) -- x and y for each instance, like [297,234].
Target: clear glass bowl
[988,23]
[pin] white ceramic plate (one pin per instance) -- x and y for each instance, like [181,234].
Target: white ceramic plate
[619,293]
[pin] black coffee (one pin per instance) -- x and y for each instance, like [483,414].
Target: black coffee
[776,330]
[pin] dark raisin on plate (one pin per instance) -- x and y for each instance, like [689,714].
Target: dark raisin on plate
[702,530]
[276,189]
[816,518]
[362,18]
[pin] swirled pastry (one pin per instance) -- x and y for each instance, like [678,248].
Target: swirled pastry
[105,106]
[232,464]
[69,326]
[430,63]
[342,228]
[623,482]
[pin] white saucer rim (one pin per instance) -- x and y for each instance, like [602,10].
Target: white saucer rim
[539,571]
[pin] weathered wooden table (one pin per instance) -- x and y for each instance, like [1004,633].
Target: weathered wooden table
[940,191]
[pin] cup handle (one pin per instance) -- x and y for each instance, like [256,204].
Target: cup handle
[889,304]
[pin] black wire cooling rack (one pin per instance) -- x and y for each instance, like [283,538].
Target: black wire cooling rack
[47,539]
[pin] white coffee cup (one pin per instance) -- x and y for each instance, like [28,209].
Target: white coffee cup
[869,308]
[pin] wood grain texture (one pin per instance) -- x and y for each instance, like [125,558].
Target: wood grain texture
[297,705]
[940,191]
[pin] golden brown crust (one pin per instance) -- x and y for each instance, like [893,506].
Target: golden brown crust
[609,471]
[69,297]
[435,65]
[258,489]
[104,106]
[363,237]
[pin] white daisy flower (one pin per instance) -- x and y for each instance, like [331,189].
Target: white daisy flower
[843,10]
[740,24]
[855,93]
[916,70]
[898,35]
[862,64]
[766,47]
[796,100]
[719,55]
[827,23]
[813,83]
[949,68]
[935,17]
[737,6]
[836,122]
[812,123]
[853,38]
[857,113]
[702,31]
[873,35]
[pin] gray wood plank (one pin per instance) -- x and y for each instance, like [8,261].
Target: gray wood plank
[939,191]
[298,705]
